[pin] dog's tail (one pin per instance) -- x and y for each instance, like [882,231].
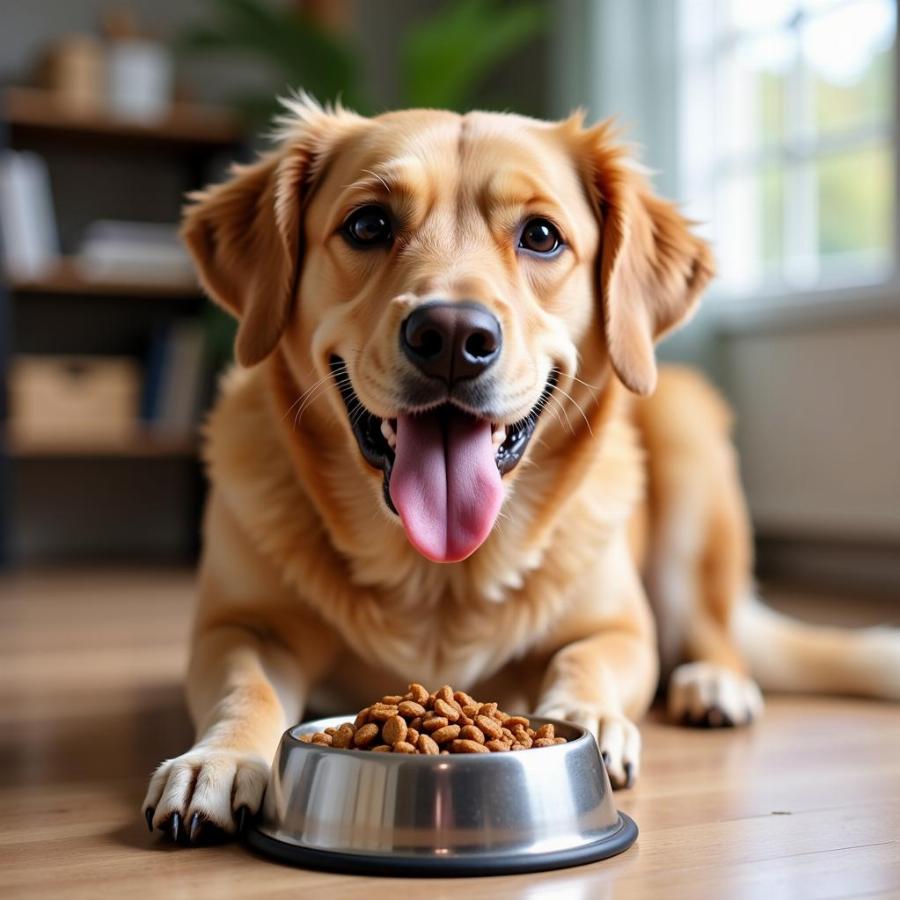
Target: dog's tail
[787,655]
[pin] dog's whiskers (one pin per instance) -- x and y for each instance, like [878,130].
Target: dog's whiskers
[311,395]
[575,403]
[543,404]
[357,412]
[341,378]
[593,387]
[306,394]
[299,399]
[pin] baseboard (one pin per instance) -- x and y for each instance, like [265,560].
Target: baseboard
[830,563]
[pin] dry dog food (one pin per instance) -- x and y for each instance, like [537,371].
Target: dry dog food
[446,721]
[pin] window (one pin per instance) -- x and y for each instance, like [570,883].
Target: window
[786,139]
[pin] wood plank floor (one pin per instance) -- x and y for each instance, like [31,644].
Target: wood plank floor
[806,804]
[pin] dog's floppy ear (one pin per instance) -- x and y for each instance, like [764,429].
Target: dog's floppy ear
[246,234]
[245,238]
[651,269]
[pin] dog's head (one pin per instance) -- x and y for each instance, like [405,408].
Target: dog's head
[445,279]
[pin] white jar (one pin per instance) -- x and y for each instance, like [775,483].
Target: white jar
[140,76]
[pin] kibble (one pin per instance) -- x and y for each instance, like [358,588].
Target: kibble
[365,735]
[431,724]
[489,727]
[434,723]
[409,709]
[445,734]
[394,730]
[381,712]
[462,746]
[343,737]
[427,745]
[447,710]
[471,733]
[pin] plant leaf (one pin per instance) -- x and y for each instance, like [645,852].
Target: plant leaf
[302,53]
[444,59]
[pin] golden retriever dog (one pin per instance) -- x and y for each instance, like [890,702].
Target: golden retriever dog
[448,456]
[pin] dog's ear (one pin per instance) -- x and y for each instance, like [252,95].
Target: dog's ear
[246,234]
[651,269]
[245,238]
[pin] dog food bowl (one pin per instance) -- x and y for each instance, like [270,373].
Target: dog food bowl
[460,814]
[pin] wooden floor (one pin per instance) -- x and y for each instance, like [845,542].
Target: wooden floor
[806,804]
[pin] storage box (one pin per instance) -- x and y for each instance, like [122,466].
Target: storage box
[73,400]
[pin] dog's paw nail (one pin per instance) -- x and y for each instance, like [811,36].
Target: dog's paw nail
[196,827]
[148,815]
[718,718]
[242,815]
[605,756]
[175,827]
[629,774]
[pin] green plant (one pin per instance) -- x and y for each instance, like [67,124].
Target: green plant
[443,60]
[300,52]
[446,58]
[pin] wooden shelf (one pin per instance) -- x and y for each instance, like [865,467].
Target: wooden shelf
[185,124]
[67,278]
[141,446]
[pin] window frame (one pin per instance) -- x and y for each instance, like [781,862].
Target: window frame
[798,150]
[623,58]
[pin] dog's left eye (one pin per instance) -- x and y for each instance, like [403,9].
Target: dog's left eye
[540,236]
[368,227]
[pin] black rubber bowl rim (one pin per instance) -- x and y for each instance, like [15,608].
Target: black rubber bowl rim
[452,867]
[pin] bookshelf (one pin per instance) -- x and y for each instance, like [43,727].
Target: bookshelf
[66,279]
[141,446]
[90,157]
[32,111]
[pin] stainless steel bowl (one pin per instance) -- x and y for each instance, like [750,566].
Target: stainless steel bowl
[462,814]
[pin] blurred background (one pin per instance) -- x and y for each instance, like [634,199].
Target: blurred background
[774,123]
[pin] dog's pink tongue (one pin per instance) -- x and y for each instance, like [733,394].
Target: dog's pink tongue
[445,483]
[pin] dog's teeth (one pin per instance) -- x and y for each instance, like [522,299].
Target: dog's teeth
[498,436]
[388,433]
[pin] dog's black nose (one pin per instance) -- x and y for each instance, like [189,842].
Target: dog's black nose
[451,341]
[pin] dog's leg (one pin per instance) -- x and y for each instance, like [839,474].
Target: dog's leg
[256,654]
[243,692]
[700,557]
[712,687]
[605,682]
[696,589]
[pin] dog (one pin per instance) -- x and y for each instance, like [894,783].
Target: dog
[447,454]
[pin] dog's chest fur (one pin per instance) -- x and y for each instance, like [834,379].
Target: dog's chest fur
[347,560]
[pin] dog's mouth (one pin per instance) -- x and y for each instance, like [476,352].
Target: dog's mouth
[442,467]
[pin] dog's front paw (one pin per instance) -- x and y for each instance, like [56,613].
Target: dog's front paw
[617,736]
[204,791]
[709,696]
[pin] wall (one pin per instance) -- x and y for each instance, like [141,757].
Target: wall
[819,427]
[523,85]
[29,25]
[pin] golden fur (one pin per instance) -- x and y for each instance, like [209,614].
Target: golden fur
[309,588]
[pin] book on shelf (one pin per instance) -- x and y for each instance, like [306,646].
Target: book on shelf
[175,379]
[28,232]
[134,251]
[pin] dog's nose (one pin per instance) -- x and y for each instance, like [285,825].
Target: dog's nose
[451,341]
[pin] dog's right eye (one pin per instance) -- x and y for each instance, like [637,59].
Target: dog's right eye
[368,226]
